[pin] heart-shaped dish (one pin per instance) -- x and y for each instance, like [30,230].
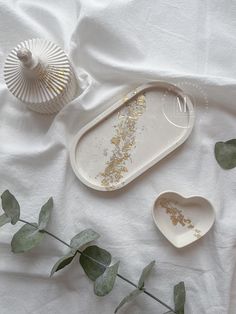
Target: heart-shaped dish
[183,220]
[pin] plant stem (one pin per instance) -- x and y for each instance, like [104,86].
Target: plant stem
[146,292]
[99,263]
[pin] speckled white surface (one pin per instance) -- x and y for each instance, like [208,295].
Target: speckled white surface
[121,45]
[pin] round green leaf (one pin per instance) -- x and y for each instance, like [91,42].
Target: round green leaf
[45,213]
[145,274]
[10,206]
[27,238]
[4,219]
[105,283]
[63,262]
[225,153]
[179,297]
[130,297]
[84,237]
[92,261]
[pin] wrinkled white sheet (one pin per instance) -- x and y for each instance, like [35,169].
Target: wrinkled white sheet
[115,46]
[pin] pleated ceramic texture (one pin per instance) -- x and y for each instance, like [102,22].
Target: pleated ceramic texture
[49,84]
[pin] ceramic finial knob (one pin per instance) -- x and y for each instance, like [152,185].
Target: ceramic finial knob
[39,73]
[25,56]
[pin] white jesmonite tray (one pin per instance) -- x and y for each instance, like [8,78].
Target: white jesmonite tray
[131,136]
[183,220]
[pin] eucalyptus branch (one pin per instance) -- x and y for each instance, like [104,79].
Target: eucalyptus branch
[49,233]
[96,262]
[105,266]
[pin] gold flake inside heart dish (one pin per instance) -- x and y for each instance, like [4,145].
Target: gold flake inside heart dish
[183,220]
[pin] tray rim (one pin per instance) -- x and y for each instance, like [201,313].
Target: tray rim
[109,111]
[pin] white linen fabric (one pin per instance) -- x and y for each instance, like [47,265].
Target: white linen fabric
[116,46]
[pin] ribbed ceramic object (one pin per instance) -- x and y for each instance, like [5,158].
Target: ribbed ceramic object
[39,73]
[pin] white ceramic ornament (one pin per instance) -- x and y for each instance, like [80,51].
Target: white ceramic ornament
[183,220]
[39,73]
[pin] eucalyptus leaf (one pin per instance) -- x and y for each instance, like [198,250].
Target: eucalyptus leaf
[63,262]
[84,237]
[225,154]
[87,260]
[105,283]
[45,213]
[179,297]
[145,273]
[10,206]
[130,297]
[4,219]
[27,238]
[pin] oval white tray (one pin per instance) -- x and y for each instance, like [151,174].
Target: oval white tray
[131,136]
